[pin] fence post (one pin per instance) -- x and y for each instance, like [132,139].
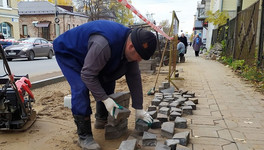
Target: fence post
[261,38]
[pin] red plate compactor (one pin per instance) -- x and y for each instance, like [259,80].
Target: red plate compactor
[16,98]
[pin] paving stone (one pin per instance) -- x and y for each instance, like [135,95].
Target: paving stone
[121,115]
[149,139]
[187,110]
[161,88]
[121,98]
[174,104]
[165,84]
[153,114]
[158,95]
[190,93]
[180,123]
[156,124]
[116,131]
[173,115]
[172,143]
[194,100]
[181,100]
[183,91]
[174,109]
[152,108]
[163,104]
[128,145]
[161,146]
[183,137]
[186,96]
[176,93]
[164,110]
[155,102]
[162,118]
[167,129]
[190,103]
[141,126]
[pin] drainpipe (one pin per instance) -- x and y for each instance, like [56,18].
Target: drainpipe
[222,5]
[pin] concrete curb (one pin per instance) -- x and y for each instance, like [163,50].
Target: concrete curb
[42,83]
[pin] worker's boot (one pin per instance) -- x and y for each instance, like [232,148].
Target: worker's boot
[100,116]
[84,131]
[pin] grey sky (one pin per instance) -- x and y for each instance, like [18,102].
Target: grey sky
[161,10]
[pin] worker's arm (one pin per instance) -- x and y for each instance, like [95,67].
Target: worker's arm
[98,55]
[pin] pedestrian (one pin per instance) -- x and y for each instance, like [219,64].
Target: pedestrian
[197,42]
[92,57]
[191,39]
[181,50]
[183,39]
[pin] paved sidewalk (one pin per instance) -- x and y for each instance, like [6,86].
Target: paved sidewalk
[230,115]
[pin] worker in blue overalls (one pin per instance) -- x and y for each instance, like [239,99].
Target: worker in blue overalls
[92,57]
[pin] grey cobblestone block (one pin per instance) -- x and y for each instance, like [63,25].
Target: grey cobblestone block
[164,110]
[165,84]
[174,104]
[191,93]
[162,147]
[181,100]
[172,143]
[155,102]
[128,145]
[173,115]
[116,131]
[152,108]
[167,129]
[153,114]
[121,115]
[156,124]
[161,88]
[168,95]
[187,110]
[182,91]
[180,123]
[163,104]
[162,118]
[186,96]
[194,100]
[149,139]
[190,103]
[175,94]
[158,95]
[170,100]
[121,98]
[183,137]
[141,126]
[174,109]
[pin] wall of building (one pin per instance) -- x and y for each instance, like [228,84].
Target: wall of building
[10,16]
[33,31]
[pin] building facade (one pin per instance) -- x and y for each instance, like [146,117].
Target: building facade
[9,19]
[37,19]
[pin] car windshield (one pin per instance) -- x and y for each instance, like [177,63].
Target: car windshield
[25,41]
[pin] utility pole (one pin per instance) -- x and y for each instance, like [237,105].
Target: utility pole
[57,20]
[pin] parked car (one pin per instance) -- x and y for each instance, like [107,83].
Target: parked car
[30,48]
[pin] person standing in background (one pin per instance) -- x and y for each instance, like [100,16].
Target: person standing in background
[183,39]
[197,42]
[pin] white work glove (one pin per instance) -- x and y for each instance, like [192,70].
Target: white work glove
[141,114]
[111,105]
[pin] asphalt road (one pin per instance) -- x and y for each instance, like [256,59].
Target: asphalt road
[37,67]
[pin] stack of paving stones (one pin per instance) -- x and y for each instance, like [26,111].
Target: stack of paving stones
[115,128]
[169,129]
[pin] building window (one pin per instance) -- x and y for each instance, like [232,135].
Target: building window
[25,30]
[6,29]
[9,3]
[5,3]
[73,26]
[1,3]
[69,26]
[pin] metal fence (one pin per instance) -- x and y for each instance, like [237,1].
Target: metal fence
[240,35]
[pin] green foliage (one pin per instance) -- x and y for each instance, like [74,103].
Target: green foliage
[218,18]
[223,42]
[227,60]
[238,64]
[251,73]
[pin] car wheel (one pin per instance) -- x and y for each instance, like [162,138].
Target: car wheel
[50,54]
[9,59]
[31,55]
